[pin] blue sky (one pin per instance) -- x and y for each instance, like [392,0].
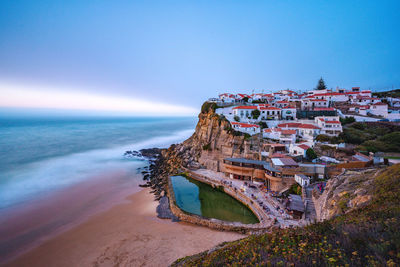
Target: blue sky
[183,52]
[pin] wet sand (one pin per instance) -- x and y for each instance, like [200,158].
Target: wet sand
[128,234]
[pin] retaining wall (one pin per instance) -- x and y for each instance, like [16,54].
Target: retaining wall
[215,223]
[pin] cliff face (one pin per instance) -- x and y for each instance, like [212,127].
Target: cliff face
[344,193]
[212,141]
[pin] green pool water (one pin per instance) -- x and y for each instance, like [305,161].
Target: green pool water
[199,198]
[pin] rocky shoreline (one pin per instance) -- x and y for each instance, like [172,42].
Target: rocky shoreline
[156,174]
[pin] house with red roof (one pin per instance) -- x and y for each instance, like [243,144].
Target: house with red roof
[298,149]
[227,98]
[379,109]
[332,97]
[289,112]
[283,136]
[246,127]
[329,125]
[310,102]
[270,113]
[282,103]
[364,100]
[303,130]
[243,112]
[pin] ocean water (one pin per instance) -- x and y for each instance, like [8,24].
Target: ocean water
[53,169]
[39,155]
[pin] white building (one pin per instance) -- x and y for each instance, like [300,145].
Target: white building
[302,180]
[364,100]
[270,113]
[329,125]
[332,97]
[310,103]
[282,104]
[298,149]
[246,127]
[379,109]
[288,113]
[303,130]
[283,136]
[243,112]
[227,98]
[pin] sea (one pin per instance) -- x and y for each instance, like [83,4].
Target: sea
[56,171]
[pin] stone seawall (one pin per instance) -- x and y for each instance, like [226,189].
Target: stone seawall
[215,223]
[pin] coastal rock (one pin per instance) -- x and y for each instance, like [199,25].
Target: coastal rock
[344,193]
[163,210]
[133,154]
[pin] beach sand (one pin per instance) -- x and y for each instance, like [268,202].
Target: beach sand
[128,234]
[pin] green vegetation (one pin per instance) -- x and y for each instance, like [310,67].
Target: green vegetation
[321,84]
[259,101]
[347,120]
[310,154]
[263,125]
[368,236]
[295,189]
[207,146]
[245,99]
[392,93]
[207,106]
[236,118]
[373,136]
[255,114]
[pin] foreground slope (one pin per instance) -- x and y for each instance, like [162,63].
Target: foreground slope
[366,236]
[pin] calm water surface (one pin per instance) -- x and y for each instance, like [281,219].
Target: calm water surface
[199,198]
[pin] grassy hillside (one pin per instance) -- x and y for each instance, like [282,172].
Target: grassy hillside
[369,236]
[372,136]
[392,93]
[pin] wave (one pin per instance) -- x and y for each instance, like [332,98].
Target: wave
[35,180]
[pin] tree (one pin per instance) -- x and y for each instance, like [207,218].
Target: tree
[245,99]
[263,124]
[255,114]
[310,153]
[321,84]
[236,118]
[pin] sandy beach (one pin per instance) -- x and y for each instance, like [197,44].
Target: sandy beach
[128,234]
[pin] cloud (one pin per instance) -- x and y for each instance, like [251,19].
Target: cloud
[35,96]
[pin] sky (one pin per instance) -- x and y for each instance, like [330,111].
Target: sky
[168,57]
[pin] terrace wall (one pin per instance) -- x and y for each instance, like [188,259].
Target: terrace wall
[215,223]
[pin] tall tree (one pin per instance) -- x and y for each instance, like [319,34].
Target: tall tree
[321,84]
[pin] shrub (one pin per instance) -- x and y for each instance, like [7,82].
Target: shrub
[207,146]
[323,138]
[310,153]
[263,124]
[347,120]
[255,114]
[236,118]
[207,106]
[358,125]
[295,189]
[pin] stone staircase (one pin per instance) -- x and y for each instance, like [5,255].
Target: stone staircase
[310,213]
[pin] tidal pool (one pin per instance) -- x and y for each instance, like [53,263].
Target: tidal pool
[202,199]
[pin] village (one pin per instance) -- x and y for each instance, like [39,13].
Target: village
[292,128]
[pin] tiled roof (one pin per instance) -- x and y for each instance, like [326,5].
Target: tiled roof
[245,107]
[297,125]
[245,125]
[303,146]
[269,108]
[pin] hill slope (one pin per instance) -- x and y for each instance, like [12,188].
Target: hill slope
[365,236]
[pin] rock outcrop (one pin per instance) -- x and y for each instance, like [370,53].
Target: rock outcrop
[344,193]
[212,141]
